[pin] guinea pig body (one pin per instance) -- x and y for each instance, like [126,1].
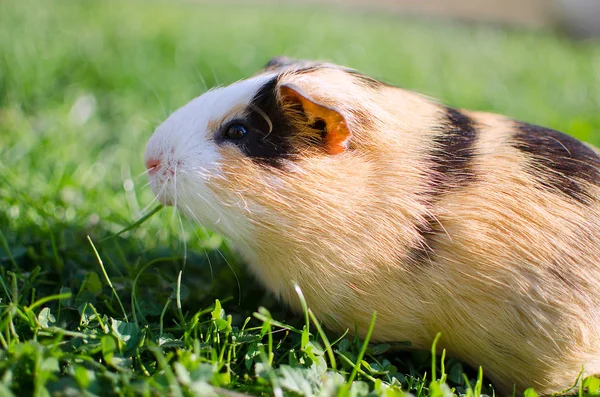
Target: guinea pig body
[373,198]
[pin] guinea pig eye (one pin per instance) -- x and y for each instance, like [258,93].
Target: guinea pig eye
[235,131]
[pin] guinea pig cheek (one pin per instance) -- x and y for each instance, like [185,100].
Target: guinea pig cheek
[211,197]
[235,187]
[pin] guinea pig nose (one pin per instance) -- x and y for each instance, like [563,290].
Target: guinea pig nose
[152,165]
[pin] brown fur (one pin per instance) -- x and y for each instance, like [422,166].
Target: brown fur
[512,271]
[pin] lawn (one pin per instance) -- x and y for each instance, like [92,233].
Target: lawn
[167,307]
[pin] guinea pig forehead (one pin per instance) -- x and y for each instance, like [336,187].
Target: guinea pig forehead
[234,100]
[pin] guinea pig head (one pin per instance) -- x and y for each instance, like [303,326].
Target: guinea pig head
[267,154]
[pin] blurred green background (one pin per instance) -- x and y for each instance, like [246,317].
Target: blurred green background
[84,84]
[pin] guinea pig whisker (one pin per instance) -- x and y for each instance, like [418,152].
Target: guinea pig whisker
[143,174]
[162,216]
[176,210]
[158,97]
[212,275]
[149,205]
[215,75]
[237,280]
[155,199]
[203,172]
[202,79]
[174,189]
[146,209]
[195,171]
[211,206]
[208,203]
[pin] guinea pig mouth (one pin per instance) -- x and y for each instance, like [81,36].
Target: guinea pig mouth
[166,201]
[162,174]
[162,189]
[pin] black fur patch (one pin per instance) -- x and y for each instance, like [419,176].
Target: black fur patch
[558,161]
[279,62]
[303,66]
[298,65]
[563,276]
[453,153]
[364,80]
[260,144]
[423,252]
[451,168]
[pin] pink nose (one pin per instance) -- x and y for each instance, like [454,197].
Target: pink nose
[152,165]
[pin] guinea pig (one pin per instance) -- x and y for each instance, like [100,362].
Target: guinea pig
[374,198]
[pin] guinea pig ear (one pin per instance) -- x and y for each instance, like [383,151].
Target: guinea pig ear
[336,131]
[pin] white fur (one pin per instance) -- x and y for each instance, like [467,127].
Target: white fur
[185,147]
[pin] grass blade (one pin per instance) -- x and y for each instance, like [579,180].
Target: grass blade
[108,278]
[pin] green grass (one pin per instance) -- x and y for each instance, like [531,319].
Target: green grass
[82,86]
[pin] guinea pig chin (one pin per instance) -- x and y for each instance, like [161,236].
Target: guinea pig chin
[179,175]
